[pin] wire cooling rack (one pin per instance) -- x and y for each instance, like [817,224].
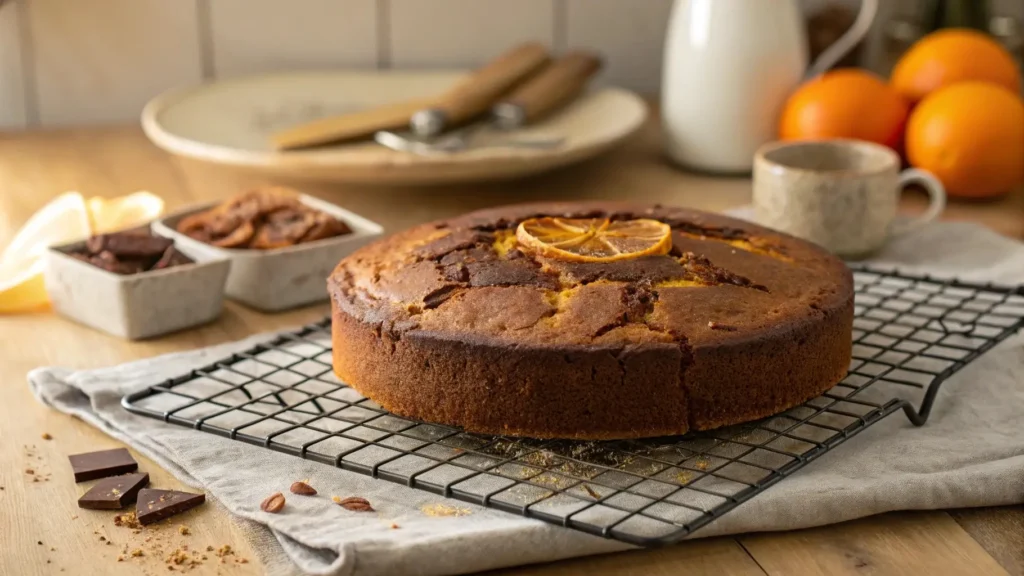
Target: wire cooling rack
[910,334]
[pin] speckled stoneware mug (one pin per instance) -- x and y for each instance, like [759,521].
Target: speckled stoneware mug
[839,194]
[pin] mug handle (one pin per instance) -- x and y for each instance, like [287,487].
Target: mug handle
[936,195]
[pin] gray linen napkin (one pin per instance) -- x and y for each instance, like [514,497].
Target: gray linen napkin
[971,453]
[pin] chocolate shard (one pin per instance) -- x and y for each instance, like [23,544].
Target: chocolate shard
[509,273]
[126,244]
[171,257]
[440,296]
[115,492]
[111,263]
[154,505]
[458,240]
[93,465]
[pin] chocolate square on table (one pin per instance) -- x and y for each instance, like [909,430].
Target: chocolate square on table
[115,492]
[154,505]
[93,465]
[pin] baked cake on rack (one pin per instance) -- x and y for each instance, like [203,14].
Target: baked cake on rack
[590,321]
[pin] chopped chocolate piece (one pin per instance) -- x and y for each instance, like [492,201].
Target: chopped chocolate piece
[93,465]
[720,233]
[440,296]
[171,257]
[111,263]
[474,254]
[131,245]
[455,273]
[458,240]
[115,492]
[653,268]
[154,505]
[701,269]
[509,273]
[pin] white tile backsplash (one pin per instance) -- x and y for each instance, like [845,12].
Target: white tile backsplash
[460,33]
[66,62]
[101,60]
[251,36]
[631,39]
[13,114]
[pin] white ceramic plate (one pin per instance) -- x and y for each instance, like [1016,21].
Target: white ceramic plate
[228,122]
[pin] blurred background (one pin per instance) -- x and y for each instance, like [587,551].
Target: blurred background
[74,62]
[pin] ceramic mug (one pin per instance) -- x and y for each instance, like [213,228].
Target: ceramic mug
[840,194]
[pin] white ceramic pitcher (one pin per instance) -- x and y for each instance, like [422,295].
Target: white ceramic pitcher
[729,67]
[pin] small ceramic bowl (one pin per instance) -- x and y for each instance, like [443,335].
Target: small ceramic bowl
[283,278]
[136,306]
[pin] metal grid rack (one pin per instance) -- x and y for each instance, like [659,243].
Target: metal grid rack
[910,334]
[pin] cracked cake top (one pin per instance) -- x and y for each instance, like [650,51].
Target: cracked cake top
[722,281]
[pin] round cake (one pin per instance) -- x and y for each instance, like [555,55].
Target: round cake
[590,321]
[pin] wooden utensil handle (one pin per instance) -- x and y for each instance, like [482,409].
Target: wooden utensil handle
[551,88]
[349,126]
[476,94]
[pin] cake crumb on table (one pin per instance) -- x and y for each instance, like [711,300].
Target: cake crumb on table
[439,510]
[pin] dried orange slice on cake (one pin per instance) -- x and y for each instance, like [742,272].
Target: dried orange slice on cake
[594,239]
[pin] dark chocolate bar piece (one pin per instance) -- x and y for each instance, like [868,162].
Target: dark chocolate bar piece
[125,244]
[93,465]
[153,505]
[171,257]
[115,492]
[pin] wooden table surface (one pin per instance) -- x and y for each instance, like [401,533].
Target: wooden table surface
[43,532]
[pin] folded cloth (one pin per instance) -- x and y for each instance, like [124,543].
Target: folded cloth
[971,453]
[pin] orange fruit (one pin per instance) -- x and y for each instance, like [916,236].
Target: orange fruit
[970,135]
[953,55]
[846,103]
[594,239]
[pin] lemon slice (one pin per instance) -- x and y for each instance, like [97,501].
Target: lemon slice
[594,239]
[112,214]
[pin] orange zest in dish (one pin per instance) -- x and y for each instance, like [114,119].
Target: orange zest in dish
[594,239]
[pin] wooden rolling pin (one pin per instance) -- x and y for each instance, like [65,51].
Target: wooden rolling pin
[470,97]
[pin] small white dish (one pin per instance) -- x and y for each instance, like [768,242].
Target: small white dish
[136,306]
[229,122]
[283,278]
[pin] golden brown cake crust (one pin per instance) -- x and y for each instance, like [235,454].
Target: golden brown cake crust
[449,322]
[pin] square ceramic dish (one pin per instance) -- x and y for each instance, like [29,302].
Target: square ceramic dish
[140,305]
[274,280]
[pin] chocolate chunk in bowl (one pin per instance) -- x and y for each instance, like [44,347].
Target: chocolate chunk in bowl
[135,285]
[591,321]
